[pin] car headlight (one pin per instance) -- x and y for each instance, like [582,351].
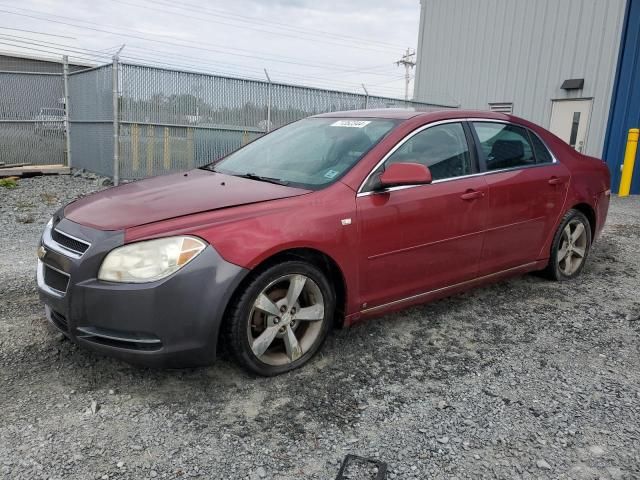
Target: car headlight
[149,260]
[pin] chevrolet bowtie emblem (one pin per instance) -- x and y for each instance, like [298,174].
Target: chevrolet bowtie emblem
[41,252]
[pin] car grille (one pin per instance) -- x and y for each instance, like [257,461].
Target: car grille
[68,242]
[55,279]
[59,321]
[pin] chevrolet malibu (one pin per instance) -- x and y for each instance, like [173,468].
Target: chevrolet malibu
[327,221]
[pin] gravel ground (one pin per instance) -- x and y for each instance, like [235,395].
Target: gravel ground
[526,378]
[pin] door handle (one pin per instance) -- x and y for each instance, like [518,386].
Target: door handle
[555,181]
[471,195]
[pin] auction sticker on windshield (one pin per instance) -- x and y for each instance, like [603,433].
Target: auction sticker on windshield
[351,123]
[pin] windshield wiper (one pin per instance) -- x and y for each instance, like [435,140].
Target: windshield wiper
[250,175]
[260,178]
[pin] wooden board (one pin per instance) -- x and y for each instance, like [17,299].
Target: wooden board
[32,170]
[2,165]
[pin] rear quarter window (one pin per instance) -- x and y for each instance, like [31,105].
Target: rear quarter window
[540,150]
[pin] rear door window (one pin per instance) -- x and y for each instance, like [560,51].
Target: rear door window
[504,145]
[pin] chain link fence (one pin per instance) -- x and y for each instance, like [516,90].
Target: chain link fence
[91,119]
[173,120]
[32,118]
[166,120]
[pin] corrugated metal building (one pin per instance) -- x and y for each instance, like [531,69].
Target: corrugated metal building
[572,66]
[16,62]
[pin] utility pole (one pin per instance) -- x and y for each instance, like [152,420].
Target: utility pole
[408,60]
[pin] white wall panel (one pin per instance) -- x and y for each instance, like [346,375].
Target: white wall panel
[474,52]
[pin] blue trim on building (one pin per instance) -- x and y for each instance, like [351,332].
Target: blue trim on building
[625,99]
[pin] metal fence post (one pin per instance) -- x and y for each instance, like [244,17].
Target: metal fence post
[268,101]
[366,97]
[116,130]
[67,106]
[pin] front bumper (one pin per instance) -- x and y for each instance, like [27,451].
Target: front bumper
[173,322]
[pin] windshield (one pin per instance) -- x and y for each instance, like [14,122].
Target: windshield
[311,153]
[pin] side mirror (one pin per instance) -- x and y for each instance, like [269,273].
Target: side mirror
[398,174]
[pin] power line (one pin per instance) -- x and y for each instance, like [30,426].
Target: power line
[297,34]
[255,71]
[101,55]
[180,55]
[311,81]
[42,43]
[108,49]
[315,79]
[322,33]
[81,57]
[39,33]
[223,51]
[323,78]
[367,70]
[96,55]
[388,81]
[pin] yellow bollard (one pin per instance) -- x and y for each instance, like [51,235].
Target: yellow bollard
[629,161]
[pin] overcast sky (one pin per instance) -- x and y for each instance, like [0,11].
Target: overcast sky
[331,43]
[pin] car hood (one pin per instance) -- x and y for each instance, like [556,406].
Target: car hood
[170,196]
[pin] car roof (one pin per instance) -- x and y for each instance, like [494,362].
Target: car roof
[397,113]
[431,116]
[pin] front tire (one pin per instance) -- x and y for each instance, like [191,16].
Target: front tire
[281,319]
[570,247]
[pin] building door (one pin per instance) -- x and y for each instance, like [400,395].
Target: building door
[570,121]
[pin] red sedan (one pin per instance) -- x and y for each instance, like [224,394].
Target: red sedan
[326,221]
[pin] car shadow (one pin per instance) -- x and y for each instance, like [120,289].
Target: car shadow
[380,359]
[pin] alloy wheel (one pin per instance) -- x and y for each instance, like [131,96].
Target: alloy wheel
[286,319]
[573,247]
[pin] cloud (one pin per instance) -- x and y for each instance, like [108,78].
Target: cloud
[332,44]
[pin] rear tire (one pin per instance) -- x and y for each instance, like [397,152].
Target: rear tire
[570,247]
[281,318]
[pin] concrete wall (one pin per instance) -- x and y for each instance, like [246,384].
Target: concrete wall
[476,52]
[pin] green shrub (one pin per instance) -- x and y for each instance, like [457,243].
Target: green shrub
[9,182]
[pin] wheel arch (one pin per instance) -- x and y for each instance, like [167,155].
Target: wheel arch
[577,204]
[589,212]
[313,256]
